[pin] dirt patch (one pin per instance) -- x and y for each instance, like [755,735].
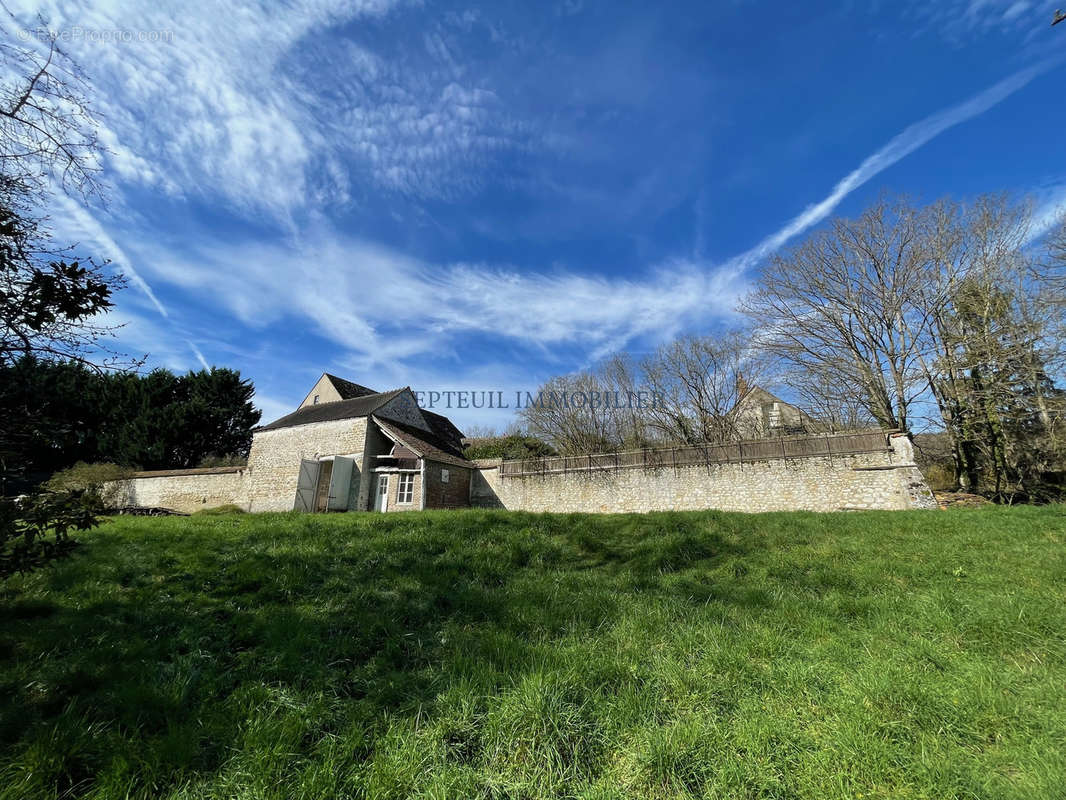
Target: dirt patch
[960,500]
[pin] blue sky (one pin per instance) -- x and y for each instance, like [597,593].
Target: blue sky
[464,196]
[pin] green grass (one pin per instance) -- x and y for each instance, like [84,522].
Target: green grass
[509,655]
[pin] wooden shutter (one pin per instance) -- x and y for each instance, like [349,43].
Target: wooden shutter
[305,485]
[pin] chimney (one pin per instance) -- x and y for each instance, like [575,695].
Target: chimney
[742,387]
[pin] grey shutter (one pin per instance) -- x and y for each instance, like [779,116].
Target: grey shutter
[340,483]
[305,486]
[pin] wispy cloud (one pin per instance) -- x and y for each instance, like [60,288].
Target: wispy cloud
[82,226]
[958,19]
[898,148]
[264,116]
[381,305]
[1049,211]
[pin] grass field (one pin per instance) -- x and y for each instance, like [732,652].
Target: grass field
[509,655]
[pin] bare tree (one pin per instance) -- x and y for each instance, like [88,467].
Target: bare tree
[569,412]
[842,304]
[936,308]
[689,391]
[829,401]
[699,383]
[49,298]
[48,130]
[964,248]
[481,431]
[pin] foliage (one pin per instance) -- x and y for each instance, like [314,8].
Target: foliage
[49,298]
[231,460]
[82,477]
[47,302]
[513,446]
[27,521]
[496,654]
[93,478]
[62,412]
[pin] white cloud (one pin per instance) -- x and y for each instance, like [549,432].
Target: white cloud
[267,112]
[141,335]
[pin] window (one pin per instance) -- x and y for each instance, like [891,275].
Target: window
[444,476]
[315,401]
[405,490]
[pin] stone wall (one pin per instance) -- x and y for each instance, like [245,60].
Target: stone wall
[886,479]
[185,490]
[274,461]
[882,479]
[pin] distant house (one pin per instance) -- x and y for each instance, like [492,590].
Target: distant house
[759,414]
[350,448]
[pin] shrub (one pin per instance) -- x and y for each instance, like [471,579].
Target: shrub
[509,447]
[101,480]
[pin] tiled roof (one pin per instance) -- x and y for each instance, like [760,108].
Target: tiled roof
[445,429]
[362,406]
[348,390]
[427,445]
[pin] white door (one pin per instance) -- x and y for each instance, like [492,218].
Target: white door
[381,493]
[305,486]
[340,483]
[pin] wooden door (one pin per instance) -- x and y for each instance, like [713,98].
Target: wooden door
[306,484]
[381,493]
[340,484]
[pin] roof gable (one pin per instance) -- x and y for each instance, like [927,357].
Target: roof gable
[426,445]
[329,389]
[403,408]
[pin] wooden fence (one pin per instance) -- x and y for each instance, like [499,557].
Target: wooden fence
[828,444]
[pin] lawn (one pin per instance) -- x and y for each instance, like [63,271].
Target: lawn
[510,655]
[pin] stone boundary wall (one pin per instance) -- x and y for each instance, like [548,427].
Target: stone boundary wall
[184,490]
[882,479]
[886,478]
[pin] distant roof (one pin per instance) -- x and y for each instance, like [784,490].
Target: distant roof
[427,445]
[348,390]
[360,406]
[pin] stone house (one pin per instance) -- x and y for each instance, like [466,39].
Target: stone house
[350,448]
[759,413]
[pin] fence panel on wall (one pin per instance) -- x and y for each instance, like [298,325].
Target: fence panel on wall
[829,444]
